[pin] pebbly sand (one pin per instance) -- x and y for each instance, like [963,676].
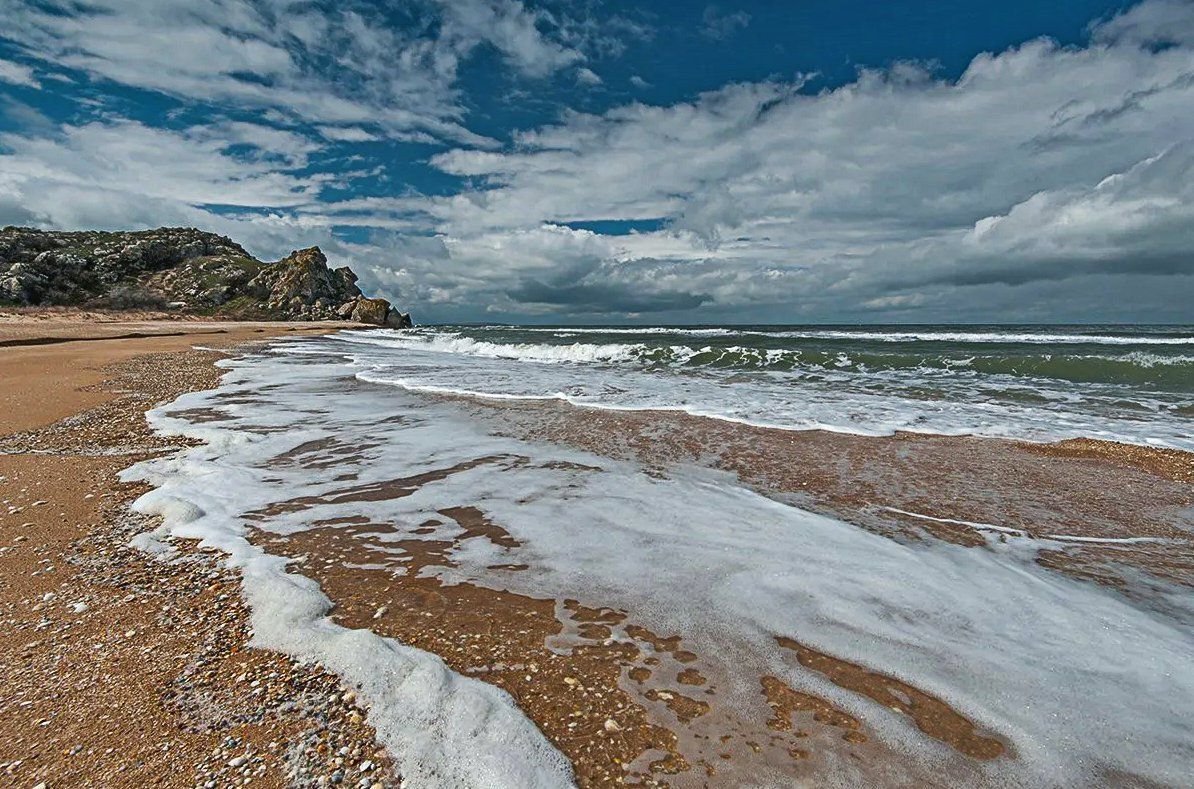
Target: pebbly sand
[124,670]
[119,669]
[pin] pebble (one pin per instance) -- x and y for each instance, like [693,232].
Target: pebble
[306,704]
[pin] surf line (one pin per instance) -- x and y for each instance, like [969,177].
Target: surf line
[1021,533]
[971,524]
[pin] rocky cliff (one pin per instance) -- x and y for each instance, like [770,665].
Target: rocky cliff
[183,270]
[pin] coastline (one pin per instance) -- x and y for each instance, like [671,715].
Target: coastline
[502,638]
[121,669]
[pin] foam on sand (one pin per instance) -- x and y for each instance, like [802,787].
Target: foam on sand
[1080,681]
[443,729]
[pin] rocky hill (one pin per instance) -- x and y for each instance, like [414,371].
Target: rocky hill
[182,270]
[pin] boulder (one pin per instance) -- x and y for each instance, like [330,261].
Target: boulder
[372,311]
[398,320]
[378,312]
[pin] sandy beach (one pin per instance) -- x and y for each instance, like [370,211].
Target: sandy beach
[121,669]
[535,394]
[126,668]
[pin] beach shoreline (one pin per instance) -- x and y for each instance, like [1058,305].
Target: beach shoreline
[121,669]
[74,417]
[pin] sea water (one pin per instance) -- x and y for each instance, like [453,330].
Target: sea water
[1131,384]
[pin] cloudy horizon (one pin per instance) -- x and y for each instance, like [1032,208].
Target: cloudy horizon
[595,162]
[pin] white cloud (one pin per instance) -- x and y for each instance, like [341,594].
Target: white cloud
[347,134]
[17,74]
[1139,220]
[1151,23]
[639,82]
[1043,179]
[855,198]
[136,167]
[511,28]
[586,76]
[347,65]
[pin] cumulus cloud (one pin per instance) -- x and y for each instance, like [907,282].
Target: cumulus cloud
[1043,182]
[1039,163]
[1151,23]
[1137,221]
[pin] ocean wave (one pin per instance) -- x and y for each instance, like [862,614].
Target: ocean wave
[527,352]
[1044,338]
[1170,372]
[574,330]
[886,336]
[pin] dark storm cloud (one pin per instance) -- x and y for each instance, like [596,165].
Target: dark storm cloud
[604,298]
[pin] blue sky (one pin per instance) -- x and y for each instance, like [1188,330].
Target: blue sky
[586,161]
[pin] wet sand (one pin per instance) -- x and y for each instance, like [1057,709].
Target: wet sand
[1080,499]
[626,705]
[120,669]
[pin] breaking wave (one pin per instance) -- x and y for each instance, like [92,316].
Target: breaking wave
[892,336]
[1134,367]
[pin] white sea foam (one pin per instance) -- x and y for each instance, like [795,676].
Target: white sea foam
[573,330]
[443,729]
[971,524]
[527,352]
[1079,680]
[1021,533]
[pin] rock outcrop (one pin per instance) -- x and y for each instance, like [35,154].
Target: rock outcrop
[302,285]
[379,313]
[183,270]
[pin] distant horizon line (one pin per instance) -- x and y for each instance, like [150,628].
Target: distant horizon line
[835,324]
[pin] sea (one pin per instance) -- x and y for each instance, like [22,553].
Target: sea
[365,444]
[1133,384]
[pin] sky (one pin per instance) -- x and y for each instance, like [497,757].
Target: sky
[592,161]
